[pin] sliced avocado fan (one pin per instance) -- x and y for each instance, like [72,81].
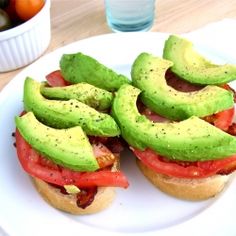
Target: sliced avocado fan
[148,74]
[78,68]
[193,67]
[190,140]
[66,147]
[66,114]
[90,95]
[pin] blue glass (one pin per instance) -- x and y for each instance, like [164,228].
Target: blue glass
[130,15]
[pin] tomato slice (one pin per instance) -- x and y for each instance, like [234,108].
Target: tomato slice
[181,169]
[55,79]
[45,170]
[222,120]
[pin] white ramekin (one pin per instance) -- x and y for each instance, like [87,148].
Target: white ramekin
[23,44]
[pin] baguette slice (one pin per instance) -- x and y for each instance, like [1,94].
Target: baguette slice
[67,202]
[183,188]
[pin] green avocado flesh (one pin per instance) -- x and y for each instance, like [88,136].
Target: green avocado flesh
[78,68]
[190,140]
[66,114]
[192,66]
[66,147]
[148,74]
[90,95]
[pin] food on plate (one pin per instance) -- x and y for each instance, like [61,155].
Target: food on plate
[180,130]
[69,113]
[190,155]
[55,79]
[181,158]
[193,67]
[79,67]
[74,167]
[163,99]
[70,190]
[97,98]
[192,139]
[73,149]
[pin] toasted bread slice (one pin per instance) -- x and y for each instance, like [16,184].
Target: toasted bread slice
[184,188]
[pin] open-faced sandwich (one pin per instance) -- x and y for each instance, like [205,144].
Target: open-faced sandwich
[68,143]
[178,129]
[176,117]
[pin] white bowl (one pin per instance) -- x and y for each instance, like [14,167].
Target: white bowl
[23,44]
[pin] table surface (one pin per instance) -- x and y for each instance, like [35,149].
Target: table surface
[73,20]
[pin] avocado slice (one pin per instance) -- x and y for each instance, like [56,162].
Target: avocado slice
[192,66]
[78,68]
[190,140]
[92,96]
[148,70]
[66,114]
[66,147]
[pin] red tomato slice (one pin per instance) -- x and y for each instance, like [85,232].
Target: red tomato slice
[181,169]
[55,79]
[224,119]
[33,164]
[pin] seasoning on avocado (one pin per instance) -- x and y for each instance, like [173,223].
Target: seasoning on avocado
[193,67]
[169,102]
[190,140]
[66,114]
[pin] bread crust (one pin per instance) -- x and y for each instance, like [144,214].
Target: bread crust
[184,188]
[67,202]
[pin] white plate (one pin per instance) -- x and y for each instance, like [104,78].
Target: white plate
[141,209]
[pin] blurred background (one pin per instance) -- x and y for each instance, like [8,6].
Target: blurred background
[175,16]
[72,20]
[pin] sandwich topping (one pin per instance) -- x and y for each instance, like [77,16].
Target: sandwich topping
[192,139]
[176,115]
[193,67]
[148,70]
[67,142]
